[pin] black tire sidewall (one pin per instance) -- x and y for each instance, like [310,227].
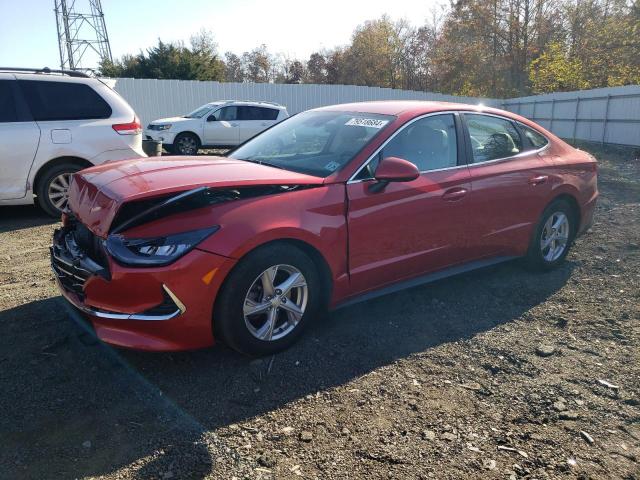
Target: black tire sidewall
[43,187]
[228,319]
[176,148]
[535,259]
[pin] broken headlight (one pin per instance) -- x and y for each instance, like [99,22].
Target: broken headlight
[157,251]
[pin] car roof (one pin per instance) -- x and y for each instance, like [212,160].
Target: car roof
[52,77]
[414,107]
[247,102]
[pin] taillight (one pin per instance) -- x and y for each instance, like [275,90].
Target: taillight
[133,128]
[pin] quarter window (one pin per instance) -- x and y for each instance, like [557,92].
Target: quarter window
[537,139]
[429,143]
[492,137]
[63,101]
[7,103]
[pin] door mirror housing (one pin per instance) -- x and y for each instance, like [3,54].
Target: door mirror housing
[394,169]
[212,118]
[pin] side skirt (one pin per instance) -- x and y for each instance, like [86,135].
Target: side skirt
[421,280]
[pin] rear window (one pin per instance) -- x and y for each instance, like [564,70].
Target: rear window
[63,101]
[7,103]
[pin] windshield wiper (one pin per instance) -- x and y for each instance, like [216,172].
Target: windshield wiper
[262,162]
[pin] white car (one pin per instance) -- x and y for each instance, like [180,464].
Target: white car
[54,123]
[221,124]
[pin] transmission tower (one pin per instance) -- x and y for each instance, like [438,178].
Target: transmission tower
[82,34]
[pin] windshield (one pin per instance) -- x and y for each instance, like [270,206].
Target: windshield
[200,111]
[314,143]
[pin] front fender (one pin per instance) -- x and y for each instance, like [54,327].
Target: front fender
[315,216]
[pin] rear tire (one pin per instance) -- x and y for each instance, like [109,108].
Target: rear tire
[281,314]
[552,237]
[53,188]
[185,144]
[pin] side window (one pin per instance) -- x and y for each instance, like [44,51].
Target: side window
[8,111]
[257,113]
[269,113]
[537,139]
[492,137]
[429,143]
[227,114]
[63,101]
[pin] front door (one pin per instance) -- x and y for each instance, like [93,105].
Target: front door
[19,138]
[410,228]
[222,127]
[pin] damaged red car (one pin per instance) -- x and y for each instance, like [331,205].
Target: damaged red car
[330,207]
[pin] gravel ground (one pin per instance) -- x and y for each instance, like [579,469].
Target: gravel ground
[499,373]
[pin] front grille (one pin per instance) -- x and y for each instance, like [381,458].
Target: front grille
[77,255]
[71,277]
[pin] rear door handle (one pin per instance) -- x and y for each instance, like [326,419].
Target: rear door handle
[539,180]
[454,194]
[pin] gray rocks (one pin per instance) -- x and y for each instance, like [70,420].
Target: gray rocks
[545,350]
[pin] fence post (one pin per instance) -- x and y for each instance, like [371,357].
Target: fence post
[575,119]
[606,118]
[533,114]
[553,104]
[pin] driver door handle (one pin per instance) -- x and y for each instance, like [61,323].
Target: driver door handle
[454,194]
[539,180]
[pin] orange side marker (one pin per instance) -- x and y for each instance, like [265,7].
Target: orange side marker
[209,276]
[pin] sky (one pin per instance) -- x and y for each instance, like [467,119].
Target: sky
[294,28]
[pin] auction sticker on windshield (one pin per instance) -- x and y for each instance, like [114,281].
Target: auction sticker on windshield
[367,122]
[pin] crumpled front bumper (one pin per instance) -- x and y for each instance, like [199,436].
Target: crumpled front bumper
[168,308]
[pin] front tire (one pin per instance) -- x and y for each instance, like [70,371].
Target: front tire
[552,238]
[185,144]
[53,188]
[268,300]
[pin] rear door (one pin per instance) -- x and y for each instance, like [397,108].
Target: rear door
[510,185]
[19,139]
[254,120]
[410,228]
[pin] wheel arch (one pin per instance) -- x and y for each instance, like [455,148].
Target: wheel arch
[190,132]
[326,276]
[575,208]
[81,162]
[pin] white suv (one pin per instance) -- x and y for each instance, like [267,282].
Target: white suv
[54,123]
[221,124]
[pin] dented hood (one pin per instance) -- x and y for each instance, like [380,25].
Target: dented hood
[97,193]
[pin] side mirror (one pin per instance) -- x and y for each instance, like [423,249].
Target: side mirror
[212,118]
[393,169]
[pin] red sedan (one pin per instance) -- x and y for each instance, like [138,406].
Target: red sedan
[332,206]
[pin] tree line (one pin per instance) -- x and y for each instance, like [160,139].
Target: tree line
[494,48]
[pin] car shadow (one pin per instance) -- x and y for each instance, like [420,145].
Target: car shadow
[23,216]
[131,405]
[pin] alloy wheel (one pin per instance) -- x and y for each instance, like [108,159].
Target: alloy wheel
[58,191]
[187,145]
[555,236]
[275,302]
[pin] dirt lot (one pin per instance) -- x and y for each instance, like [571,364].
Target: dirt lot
[495,374]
